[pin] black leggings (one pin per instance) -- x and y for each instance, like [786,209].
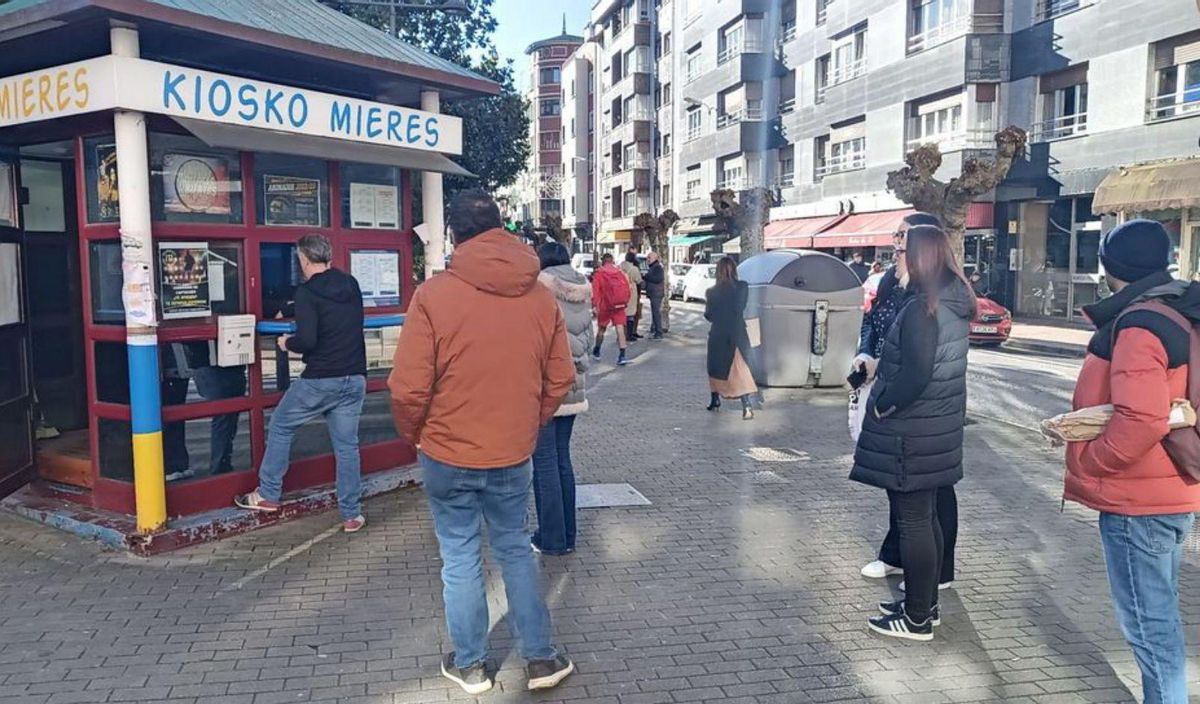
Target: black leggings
[921,547]
[947,510]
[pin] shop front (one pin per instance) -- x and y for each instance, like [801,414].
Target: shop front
[151,194]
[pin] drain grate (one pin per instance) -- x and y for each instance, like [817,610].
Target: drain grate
[608,496]
[766,476]
[775,454]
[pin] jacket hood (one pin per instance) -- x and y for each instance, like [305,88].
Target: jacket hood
[1153,286]
[566,284]
[496,262]
[334,285]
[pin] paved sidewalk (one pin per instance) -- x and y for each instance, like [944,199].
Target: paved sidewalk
[739,584]
[1052,339]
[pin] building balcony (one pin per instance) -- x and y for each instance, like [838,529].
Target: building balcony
[1060,127]
[752,111]
[749,45]
[787,106]
[1175,105]
[786,179]
[847,72]
[787,31]
[951,141]
[978,23]
[1049,9]
[854,161]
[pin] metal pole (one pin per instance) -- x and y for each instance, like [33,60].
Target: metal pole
[432,203]
[141,318]
[654,93]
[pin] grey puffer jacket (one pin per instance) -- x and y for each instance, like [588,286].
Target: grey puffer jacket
[574,295]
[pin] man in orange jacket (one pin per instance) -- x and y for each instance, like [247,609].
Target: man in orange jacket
[1138,362]
[482,363]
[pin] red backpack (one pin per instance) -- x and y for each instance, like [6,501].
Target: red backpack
[615,287]
[1182,444]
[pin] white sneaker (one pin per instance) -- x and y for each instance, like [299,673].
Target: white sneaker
[943,585]
[880,569]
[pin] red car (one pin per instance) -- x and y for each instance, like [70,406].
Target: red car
[992,324]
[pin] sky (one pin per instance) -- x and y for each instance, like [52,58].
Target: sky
[523,22]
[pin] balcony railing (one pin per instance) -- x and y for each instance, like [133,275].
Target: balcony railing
[1049,9]
[953,141]
[693,133]
[854,161]
[821,90]
[641,162]
[844,72]
[787,179]
[692,71]
[788,32]
[822,11]
[748,45]
[751,112]
[1060,127]
[787,106]
[732,183]
[1166,107]
[966,24]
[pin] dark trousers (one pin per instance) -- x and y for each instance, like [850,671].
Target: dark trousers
[554,487]
[214,384]
[656,315]
[174,435]
[921,548]
[947,510]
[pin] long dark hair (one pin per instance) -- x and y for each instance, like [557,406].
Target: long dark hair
[931,263]
[553,254]
[726,270]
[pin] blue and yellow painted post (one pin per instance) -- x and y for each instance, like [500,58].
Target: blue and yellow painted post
[145,402]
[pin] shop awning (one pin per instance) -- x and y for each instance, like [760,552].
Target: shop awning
[695,226]
[876,229]
[261,140]
[614,236]
[1169,185]
[690,240]
[797,233]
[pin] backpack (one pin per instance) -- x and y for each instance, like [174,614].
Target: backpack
[1182,444]
[615,287]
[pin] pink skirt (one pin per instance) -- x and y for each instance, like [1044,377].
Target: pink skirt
[739,383]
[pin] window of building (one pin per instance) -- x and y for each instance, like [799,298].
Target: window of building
[665,44]
[550,76]
[572,87]
[820,157]
[733,173]
[936,21]
[550,140]
[666,144]
[629,203]
[192,182]
[1049,9]
[1177,78]
[692,64]
[787,21]
[822,82]
[787,167]
[550,107]
[1063,104]
[695,123]
[591,121]
[849,55]
[370,197]
[666,94]
[938,120]
[629,155]
[731,42]
[558,51]
[823,11]
[693,183]
[292,191]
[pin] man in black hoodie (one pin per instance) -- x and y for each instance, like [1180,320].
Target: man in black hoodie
[329,334]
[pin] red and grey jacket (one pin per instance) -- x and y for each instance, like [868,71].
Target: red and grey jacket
[1139,364]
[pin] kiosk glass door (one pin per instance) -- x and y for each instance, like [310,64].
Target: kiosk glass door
[16,417]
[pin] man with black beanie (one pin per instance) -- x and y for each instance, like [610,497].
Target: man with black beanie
[1138,362]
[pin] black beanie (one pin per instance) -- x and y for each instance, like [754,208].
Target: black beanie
[1135,250]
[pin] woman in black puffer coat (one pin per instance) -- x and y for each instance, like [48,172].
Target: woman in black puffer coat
[912,436]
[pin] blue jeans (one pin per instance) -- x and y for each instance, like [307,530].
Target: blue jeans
[339,400]
[1143,554]
[554,487]
[461,501]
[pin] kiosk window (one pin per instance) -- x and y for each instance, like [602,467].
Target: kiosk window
[104,262]
[198,279]
[280,277]
[292,191]
[191,182]
[100,179]
[370,197]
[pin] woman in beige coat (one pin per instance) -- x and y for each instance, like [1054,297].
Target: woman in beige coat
[634,273]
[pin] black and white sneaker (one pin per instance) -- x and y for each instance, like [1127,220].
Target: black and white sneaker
[474,679]
[899,626]
[544,674]
[891,608]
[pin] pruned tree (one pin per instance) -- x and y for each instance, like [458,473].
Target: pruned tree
[553,228]
[744,216]
[915,183]
[656,231]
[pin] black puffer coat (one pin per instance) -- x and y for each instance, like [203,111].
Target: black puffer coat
[725,308]
[919,446]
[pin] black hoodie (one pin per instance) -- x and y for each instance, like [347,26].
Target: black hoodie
[329,326]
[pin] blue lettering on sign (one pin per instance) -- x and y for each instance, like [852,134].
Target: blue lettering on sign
[431,132]
[374,117]
[271,106]
[339,118]
[393,125]
[219,109]
[414,126]
[248,99]
[171,89]
[298,116]
[358,120]
[196,103]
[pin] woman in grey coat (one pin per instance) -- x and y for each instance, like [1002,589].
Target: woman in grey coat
[553,473]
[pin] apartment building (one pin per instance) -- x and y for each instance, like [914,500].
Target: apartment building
[543,188]
[579,141]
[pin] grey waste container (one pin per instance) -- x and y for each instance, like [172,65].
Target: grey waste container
[807,309]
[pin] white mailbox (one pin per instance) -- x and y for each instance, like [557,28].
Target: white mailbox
[235,340]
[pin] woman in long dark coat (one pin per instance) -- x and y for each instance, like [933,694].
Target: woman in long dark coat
[912,437]
[729,374]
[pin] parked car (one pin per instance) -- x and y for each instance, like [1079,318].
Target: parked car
[678,275]
[992,324]
[698,280]
[585,264]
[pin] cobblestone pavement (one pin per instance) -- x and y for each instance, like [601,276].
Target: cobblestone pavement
[739,584]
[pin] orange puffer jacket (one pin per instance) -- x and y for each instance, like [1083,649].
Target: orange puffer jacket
[1140,371]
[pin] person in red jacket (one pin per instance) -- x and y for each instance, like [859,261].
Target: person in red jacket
[610,296]
[1138,362]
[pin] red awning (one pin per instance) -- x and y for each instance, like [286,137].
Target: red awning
[797,233]
[979,216]
[876,229]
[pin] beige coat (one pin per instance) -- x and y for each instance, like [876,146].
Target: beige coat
[634,274]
